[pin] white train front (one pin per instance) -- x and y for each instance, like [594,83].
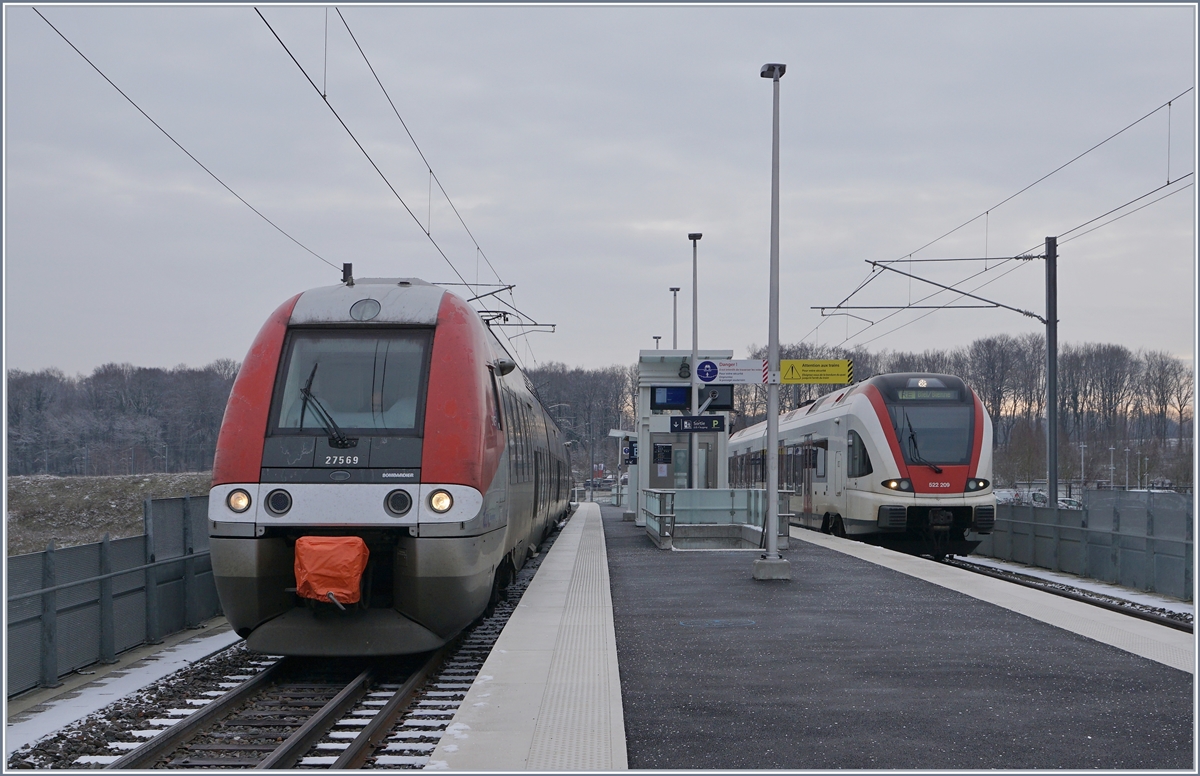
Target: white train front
[903,460]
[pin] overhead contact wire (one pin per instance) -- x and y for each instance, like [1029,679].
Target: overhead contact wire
[421,153]
[159,127]
[363,150]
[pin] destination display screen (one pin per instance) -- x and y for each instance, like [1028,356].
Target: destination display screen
[927,394]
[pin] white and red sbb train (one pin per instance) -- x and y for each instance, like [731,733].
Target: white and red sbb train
[903,460]
[382,470]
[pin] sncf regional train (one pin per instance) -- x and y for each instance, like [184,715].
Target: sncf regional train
[383,468]
[902,460]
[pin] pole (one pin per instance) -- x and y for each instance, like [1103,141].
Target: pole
[772,565]
[1126,468]
[693,442]
[1111,468]
[675,318]
[1082,471]
[1052,369]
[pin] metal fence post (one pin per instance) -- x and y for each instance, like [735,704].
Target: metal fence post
[1114,549]
[49,654]
[1084,566]
[108,641]
[153,635]
[189,569]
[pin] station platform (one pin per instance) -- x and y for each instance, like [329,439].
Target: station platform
[866,659]
[548,697]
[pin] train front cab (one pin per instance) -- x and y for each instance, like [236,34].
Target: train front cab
[422,484]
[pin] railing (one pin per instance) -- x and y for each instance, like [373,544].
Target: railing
[668,512]
[71,607]
[1142,540]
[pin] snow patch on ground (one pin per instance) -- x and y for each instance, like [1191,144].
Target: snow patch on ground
[1090,585]
[59,712]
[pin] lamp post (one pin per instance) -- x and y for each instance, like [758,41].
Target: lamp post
[693,443]
[656,339]
[1111,484]
[1126,468]
[1082,475]
[772,565]
[675,316]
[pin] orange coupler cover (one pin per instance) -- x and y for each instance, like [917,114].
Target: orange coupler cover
[330,564]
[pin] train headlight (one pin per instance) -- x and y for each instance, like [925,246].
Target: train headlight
[238,500]
[398,502]
[904,485]
[440,501]
[279,502]
[975,484]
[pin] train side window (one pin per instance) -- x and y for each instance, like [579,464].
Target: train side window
[819,463]
[858,462]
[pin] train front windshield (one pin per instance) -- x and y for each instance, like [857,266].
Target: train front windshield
[368,381]
[933,434]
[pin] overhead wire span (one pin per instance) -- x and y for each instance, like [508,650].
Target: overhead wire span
[1022,256]
[1056,169]
[421,153]
[179,145]
[375,166]
[986,213]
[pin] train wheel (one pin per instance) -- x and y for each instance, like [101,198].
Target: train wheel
[837,528]
[825,524]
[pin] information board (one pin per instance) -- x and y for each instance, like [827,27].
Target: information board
[683,424]
[813,370]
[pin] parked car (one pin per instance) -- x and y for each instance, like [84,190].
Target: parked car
[1070,503]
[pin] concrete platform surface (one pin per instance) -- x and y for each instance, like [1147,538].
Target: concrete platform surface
[1168,646]
[549,695]
[855,664]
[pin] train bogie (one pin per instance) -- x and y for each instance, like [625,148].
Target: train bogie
[382,413]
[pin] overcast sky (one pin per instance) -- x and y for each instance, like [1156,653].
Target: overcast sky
[581,145]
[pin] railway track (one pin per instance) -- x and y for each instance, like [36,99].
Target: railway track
[242,710]
[1127,608]
[273,719]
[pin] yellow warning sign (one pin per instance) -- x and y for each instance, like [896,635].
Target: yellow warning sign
[811,370]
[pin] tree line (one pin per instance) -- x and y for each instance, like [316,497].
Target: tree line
[126,419]
[120,419]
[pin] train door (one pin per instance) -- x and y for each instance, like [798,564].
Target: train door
[838,473]
[808,462]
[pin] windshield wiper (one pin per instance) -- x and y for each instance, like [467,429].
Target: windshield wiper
[337,437]
[916,452]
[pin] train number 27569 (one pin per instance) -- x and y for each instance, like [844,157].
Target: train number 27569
[341,460]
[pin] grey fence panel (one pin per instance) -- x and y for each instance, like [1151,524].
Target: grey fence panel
[129,618]
[78,641]
[24,656]
[128,553]
[51,634]
[1142,540]
[167,514]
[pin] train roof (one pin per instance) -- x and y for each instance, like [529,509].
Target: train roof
[886,383]
[401,300]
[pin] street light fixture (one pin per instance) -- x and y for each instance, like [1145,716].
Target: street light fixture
[656,339]
[675,317]
[772,565]
[693,443]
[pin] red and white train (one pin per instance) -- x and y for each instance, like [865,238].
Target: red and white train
[382,470]
[903,460]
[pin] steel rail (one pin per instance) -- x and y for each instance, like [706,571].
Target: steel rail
[176,735]
[370,737]
[1046,587]
[287,754]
